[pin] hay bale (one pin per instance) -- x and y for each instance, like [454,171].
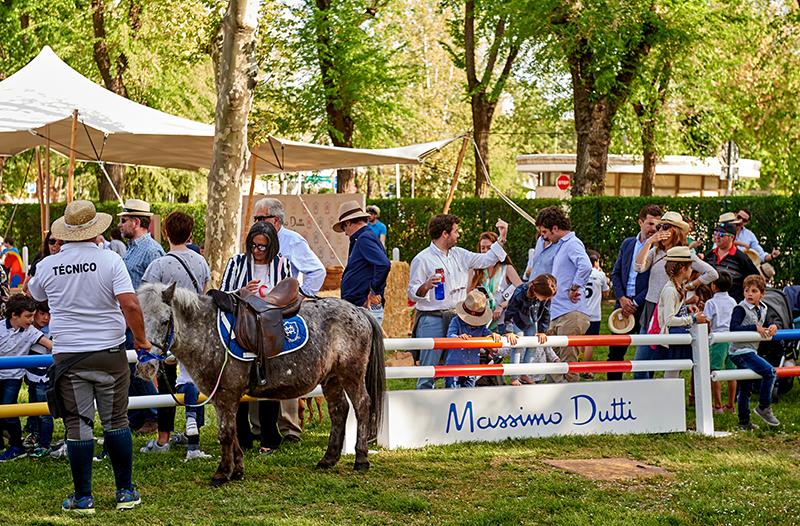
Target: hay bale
[398,316]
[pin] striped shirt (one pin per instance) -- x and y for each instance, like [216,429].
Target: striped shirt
[240,271]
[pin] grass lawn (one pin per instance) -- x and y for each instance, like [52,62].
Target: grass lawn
[745,478]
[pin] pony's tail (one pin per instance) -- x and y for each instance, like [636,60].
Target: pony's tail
[376,377]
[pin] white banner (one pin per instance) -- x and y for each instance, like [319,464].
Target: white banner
[413,419]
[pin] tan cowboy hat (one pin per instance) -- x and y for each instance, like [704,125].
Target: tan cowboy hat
[767,270]
[674,219]
[473,309]
[681,253]
[348,211]
[81,221]
[753,255]
[729,217]
[136,207]
[618,323]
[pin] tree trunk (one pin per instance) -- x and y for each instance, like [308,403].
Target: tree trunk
[112,82]
[481,124]
[649,154]
[346,181]
[235,80]
[104,189]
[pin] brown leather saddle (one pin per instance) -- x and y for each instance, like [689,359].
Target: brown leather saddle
[259,321]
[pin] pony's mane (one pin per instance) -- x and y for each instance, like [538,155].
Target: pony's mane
[184,300]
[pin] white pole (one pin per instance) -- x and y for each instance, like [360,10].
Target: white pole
[397,181]
[704,415]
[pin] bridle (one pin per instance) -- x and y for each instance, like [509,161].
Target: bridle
[143,356]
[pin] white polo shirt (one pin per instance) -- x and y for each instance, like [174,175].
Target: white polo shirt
[81,284]
[16,342]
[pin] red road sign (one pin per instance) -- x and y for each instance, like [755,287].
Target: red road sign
[562,182]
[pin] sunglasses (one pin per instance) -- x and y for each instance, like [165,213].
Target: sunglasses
[743,219]
[259,247]
[720,233]
[258,219]
[54,242]
[663,226]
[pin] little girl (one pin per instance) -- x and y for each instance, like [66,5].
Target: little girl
[673,315]
[529,311]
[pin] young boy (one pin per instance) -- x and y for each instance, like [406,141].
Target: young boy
[41,427]
[596,289]
[17,336]
[750,315]
[718,309]
[195,416]
[472,316]
[528,313]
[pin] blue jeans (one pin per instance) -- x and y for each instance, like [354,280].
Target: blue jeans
[190,394]
[41,425]
[752,360]
[9,392]
[522,354]
[429,327]
[377,313]
[452,382]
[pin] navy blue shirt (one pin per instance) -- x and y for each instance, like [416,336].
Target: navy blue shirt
[367,267]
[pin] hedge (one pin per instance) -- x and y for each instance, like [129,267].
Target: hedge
[601,222]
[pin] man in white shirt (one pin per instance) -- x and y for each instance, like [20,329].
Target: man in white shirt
[306,267]
[445,267]
[91,299]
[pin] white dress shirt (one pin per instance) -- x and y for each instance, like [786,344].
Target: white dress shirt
[304,264]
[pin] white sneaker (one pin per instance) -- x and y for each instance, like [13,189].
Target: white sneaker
[153,447]
[193,454]
[191,427]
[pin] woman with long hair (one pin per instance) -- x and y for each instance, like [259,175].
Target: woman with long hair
[50,246]
[672,231]
[499,281]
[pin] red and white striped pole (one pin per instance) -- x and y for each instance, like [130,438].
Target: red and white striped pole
[419,344]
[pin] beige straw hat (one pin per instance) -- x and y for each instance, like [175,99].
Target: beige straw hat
[681,253]
[674,219]
[618,323]
[81,221]
[473,309]
[348,211]
[136,207]
[729,217]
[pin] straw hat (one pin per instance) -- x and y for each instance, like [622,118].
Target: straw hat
[348,211]
[373,209]
[767,270]
[473,309]
[618,323]
[681,253]
[729,217]
[674,219]
[136,207]
[81,221]
[753,255]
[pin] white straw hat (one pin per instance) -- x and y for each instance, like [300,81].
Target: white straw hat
[618,323]
[136,207]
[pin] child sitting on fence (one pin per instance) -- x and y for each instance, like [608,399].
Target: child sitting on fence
[750,315]
[471,319]
[718,310]
[40,427]
[17,335]
[672,315]
[529,311]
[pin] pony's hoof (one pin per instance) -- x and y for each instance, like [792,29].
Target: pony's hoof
[324,465]
[361,466]
[217,482]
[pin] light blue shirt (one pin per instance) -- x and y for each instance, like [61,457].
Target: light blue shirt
[630,288]
[141,252]
[571,266]
[542,262]
[747,236]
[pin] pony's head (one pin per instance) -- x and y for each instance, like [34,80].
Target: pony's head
[161,305]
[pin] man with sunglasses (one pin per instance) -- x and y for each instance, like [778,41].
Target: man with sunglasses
[726,256]
[745,238]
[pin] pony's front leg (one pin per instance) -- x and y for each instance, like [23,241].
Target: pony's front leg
[337,409]
[228,444]
[358,395]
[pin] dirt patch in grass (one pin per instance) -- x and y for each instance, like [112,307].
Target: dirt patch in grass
[608,469]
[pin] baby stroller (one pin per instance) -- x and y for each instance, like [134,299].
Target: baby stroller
[779,353]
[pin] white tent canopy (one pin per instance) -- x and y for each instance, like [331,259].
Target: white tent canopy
[37,102]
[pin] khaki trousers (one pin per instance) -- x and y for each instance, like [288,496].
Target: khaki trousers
[570,324]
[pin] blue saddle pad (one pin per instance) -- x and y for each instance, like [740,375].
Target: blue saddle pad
[294,328]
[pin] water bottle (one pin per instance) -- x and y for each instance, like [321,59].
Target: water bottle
[439,289]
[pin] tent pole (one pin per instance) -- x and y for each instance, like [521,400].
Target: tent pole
[40,192]
[71,169]
[454,182]
[248,214]
[47,189]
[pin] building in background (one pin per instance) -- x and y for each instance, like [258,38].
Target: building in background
[676,175]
